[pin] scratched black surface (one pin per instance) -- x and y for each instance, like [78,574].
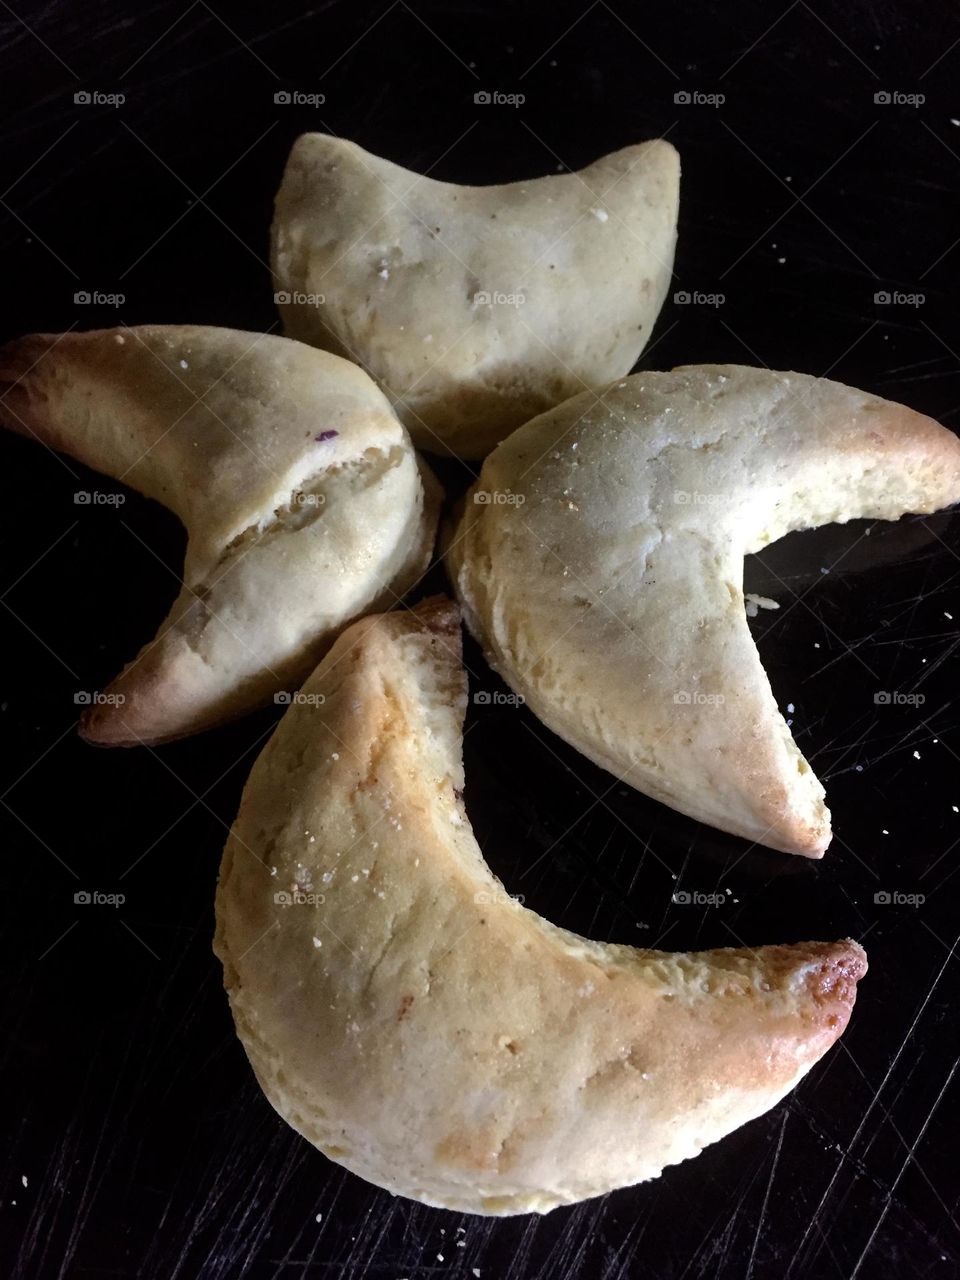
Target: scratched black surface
[137,1142]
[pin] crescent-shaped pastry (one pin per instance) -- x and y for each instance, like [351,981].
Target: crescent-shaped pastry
[474,307]
[300,491]
[423,1028]
[600,563]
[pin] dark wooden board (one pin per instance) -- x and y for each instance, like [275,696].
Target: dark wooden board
[138,1144]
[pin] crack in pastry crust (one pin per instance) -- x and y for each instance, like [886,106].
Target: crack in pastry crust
[303,499]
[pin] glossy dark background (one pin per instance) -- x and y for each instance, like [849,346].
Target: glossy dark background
[130,1110]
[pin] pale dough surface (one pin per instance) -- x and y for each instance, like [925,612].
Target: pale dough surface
[301,493]
[599,560]
[423,1028]
[474,308]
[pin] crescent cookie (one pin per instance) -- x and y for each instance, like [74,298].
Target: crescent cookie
[424,1029]
[300,491]
[474,307]
[599,560]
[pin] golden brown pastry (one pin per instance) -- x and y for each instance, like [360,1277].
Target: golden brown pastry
[599,561]
[474,307]
[423,1028]
[300,491]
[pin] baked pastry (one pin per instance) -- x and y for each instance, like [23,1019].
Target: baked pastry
[301,493]
[474,307]
[420,1026]
[600,562]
